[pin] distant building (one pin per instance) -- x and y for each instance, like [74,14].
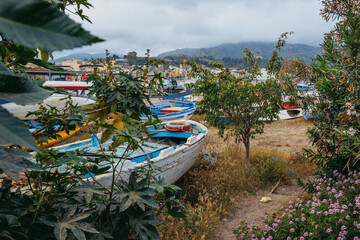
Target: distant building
[90,67]
[73,63]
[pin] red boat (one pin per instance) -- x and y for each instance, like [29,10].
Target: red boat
[289,105]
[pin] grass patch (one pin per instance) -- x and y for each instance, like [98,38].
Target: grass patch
[209,190]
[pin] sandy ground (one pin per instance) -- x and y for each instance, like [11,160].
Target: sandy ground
[286,136]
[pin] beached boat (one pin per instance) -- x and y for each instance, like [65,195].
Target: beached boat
[173,151]
[68,85]
[288,103]
[62,135]
[172,109]
[172,84]
[305,87]
[290,113]
[55,100]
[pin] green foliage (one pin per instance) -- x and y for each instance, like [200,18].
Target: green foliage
[38,23]
[336,119]
[131,57]
[242,105]
[54,200]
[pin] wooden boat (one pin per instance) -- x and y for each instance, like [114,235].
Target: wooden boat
[55,100]
[290,113]
[172,109]
[68,85]
[305,87]
[289,105]
[173,152]
[63,136]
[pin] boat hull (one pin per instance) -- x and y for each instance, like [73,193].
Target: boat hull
[173,161]
[56,100]
[173,166]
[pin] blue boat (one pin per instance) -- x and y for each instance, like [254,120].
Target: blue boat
[171,109]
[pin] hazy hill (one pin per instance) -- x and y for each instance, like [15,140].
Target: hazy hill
[262,49]
[82,56]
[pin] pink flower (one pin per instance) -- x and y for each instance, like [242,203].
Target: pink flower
[329,230]
[292,230]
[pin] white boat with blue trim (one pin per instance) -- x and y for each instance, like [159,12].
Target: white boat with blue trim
[172,109]
[173,151]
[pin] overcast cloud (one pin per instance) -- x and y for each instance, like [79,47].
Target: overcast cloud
[165,25]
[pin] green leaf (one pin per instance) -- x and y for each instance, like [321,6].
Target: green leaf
[86,227]
[14,131]
[68,222]
[79,217]
[39,23]
[19,88]
[60,231]
[79,234]
[88,189]
[144,225]
[135,192]
[14,162]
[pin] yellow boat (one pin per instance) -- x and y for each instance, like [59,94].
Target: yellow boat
[63,134]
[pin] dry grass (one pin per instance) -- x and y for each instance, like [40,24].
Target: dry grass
[209,190]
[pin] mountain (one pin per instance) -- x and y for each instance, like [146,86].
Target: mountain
[184,51]
[82,56]
[261,49]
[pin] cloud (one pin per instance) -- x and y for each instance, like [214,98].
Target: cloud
[163,25]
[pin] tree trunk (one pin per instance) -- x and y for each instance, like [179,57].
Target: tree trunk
[247,147]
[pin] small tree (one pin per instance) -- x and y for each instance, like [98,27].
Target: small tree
[242,105]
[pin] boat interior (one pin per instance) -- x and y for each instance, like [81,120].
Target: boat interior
[152,147]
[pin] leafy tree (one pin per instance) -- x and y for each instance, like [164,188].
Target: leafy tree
[336,78]
[131,57]
[240,105]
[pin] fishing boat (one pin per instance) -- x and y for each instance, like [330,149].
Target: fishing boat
[305,87]
[55,100]
[286,114]
[173,151]
[62,135]
[290,113]
[171,109]
[68,85]
[288,103]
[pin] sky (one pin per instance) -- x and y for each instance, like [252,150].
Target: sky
[165,25]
